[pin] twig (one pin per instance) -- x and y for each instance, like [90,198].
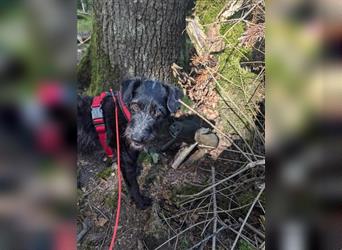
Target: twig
[261,206]
[255,230]
[167,222]
[208,238]
[82,13]
[83,6]
[227,211]
[217,129]
[236,151]
[230,99]
[242,18]
[246,218]
[257,87]
[84,41]
[97,209]
[183,154]
[85,229]
[249,241]
[183,213]
[240,135]
[214,208]
[206,216]
[248,166]
[185,230]
[206,225]
[107,230]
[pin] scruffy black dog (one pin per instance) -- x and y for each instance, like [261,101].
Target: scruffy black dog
[150,103]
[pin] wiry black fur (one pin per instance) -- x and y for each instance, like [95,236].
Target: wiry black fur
[150,103]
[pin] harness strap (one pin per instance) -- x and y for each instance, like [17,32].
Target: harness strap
[123,106]
[98,119]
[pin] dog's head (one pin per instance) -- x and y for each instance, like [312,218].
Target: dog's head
[150,102]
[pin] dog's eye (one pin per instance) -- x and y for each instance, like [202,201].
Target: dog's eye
[157,113]
[135,107]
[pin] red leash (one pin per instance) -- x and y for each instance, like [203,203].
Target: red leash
[112,243]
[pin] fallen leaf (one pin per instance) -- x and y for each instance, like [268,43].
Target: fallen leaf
[215,42]
[100,222]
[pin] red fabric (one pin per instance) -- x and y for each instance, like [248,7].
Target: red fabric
[99,121]
[100,126]
[97,100]
[124,108]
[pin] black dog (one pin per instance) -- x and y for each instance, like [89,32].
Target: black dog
[150,103]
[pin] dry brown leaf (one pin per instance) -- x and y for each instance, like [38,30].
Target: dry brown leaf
[100,222]
[253,33]
[215,42]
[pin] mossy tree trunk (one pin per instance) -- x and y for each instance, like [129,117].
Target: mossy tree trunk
[135,38]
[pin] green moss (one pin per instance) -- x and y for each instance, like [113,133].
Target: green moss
[80,194]
[184,243]
[95,72]
[238,83]
[103,75]
[207,10]
[245,198]
[185,189]
[145,158]
[189,189]
[104,174]
[84,71]
[187,101]
[111,200]
[84,23]
[243,245]
[185,53]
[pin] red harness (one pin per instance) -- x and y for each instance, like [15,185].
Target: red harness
[98,119]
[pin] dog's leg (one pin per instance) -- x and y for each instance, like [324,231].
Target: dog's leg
[129,172]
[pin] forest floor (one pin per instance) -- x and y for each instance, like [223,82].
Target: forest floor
[174,208]
[188,204]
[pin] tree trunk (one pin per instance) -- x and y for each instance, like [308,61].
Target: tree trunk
[135,38]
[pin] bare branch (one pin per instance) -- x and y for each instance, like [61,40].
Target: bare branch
[246,218]
[214,207]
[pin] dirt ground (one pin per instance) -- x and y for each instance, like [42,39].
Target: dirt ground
[150,228]
[138,229]
[97,200]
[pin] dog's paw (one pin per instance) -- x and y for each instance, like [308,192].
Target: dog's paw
[144,203]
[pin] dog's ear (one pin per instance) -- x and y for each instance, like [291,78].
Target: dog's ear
[128,87]
[172,100]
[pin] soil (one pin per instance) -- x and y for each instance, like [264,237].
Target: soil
[97,199]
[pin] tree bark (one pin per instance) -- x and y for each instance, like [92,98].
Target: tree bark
[136,38]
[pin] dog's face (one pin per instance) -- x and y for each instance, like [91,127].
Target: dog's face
[150,102]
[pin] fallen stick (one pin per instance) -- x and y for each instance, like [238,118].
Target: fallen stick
[249,166]
[217,129]
[207,238]
[214,208]
[246,218]
[180,233]
[181,157]
[253,229]
[85,229]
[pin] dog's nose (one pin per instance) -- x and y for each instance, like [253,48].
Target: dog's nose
[137,138]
